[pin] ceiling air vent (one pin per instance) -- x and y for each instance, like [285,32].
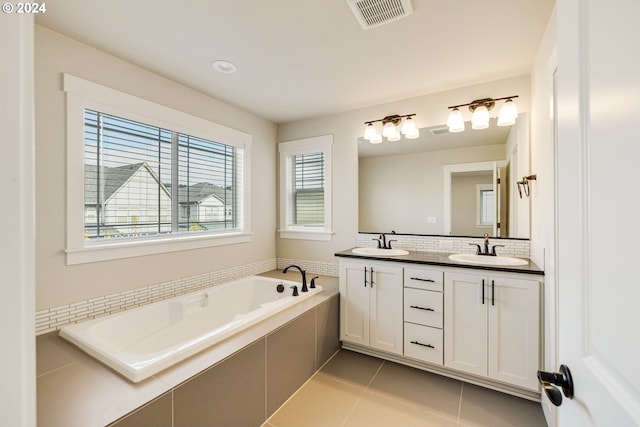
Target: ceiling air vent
[439,130]
[372,13]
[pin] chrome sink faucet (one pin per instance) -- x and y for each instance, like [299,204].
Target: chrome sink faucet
[485,249]
[304,277]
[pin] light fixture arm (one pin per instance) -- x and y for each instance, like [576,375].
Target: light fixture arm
[487,102]
[394,118]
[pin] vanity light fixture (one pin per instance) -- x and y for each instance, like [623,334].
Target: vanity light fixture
[393,127]
[480,113]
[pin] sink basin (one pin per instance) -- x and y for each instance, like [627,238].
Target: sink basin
[379,251]
[488,260]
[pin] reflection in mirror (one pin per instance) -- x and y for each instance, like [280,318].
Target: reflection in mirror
[402,184]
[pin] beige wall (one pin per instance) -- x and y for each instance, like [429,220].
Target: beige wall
[400,192]
[57,283]
[463,204]
[347,127]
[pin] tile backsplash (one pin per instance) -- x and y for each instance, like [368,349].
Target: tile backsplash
[415,242]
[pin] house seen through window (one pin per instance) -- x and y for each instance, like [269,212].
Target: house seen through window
[142,180]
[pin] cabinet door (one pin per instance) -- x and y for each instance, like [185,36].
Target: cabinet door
[386,308]
[465,323]
[354,303]
[514,325]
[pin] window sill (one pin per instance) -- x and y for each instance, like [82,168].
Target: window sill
[95,252]
[306,235]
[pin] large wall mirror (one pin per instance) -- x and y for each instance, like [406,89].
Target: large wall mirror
[444,183]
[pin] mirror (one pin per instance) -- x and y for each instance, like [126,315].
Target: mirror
[402,184]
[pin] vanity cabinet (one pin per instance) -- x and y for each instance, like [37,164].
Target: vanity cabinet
[492,326]
[371,305]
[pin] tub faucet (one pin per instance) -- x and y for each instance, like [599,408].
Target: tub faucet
[304,277]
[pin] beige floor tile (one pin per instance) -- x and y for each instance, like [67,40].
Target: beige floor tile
[322,402]
[430,392]
[352,368]
[484,407]
[373,410]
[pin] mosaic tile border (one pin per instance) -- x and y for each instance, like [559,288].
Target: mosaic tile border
[52,319]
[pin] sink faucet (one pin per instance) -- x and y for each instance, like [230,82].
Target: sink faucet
[382,241]
[304,277]
[486,251]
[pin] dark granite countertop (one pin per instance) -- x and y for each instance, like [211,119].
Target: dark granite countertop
[442,259]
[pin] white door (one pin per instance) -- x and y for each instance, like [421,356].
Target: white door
[465,322]
[598,206]
[385,308]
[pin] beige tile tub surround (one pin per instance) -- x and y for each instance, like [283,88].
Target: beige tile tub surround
[355,390]
[76,390]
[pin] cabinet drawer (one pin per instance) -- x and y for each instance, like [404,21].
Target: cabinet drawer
[423,278]
[423,307]
[423,343]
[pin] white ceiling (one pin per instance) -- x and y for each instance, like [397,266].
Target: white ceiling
[298,59]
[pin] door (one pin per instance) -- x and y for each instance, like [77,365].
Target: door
[514,330]
[465,322]
[385,308]
[598,237]
[354,303]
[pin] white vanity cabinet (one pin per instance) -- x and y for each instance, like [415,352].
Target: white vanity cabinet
[492,326]
[371,304]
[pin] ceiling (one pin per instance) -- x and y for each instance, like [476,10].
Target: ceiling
[299,59]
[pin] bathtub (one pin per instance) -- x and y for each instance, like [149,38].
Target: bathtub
[140,342]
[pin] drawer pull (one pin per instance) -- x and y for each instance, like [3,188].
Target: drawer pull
[421,308]
[423,280]
[424,345]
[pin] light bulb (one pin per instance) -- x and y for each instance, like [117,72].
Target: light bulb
[394,136]
[480,118]
[369,132]
[508,113]
[409,127]
[413,135]
[388,129]
[455,122]
[376,138]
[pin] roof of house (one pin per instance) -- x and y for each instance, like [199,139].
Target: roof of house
[116,177]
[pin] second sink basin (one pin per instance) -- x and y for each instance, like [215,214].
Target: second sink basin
[488,260]
[379,251]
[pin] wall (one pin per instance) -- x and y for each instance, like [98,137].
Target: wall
[347,127]
[17,246]
[57,283]
[417,177]
[543,191]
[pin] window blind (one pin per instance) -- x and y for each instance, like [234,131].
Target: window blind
[132,170]
[308,189]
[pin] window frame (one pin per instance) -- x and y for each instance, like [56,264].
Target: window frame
[287,150]
[480,189]
[82,94]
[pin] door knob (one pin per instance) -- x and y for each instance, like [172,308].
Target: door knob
[562,379]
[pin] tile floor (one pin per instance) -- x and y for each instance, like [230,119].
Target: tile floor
[355,390]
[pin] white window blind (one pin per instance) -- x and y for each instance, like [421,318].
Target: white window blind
[132,171]
[308,189]
[487,206]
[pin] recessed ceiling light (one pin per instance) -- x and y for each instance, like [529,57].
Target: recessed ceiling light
[223,66]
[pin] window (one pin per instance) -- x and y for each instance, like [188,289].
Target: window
[149,181]
[485,206]
[305,188]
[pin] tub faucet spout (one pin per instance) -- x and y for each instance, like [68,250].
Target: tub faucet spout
[304,277]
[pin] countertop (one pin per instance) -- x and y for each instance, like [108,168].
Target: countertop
[442,259]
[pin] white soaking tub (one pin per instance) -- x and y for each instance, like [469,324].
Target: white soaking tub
[140,342]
